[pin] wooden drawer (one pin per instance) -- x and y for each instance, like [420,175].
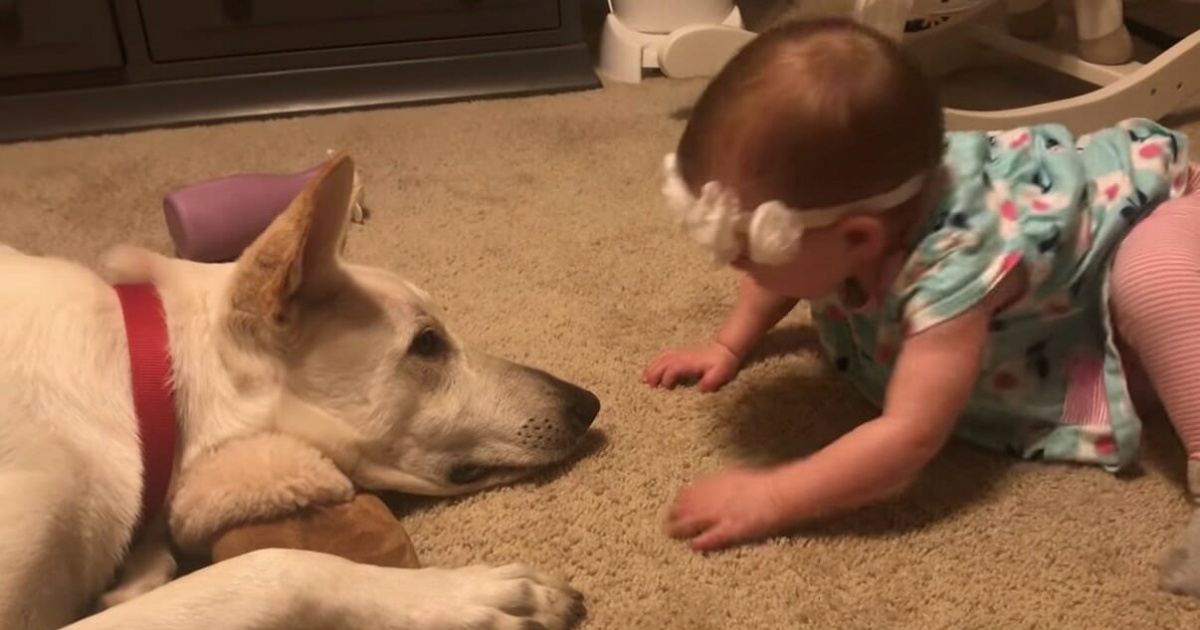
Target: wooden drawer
[181,30]
[51,36]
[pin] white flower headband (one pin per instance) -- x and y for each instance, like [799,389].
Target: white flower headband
[772,231]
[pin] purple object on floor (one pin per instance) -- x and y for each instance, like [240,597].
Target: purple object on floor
[215,220]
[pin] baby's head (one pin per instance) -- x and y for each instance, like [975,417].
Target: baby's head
[831,126]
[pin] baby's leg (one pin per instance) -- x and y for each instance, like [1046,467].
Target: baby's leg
[1156,301]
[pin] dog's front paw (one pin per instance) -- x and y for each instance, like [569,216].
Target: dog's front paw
[150,565]
[510,597]
[1179,572]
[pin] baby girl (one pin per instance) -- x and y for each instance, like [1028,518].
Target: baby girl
[1004,287]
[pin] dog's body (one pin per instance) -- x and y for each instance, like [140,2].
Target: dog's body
[289,339]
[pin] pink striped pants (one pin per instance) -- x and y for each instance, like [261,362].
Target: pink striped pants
[1155,299]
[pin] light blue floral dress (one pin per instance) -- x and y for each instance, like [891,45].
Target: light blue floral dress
[1052,385]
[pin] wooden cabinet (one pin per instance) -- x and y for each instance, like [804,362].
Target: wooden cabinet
[49,36]
[86,66]
[180,30]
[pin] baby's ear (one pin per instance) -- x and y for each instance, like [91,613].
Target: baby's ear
[262,477]
[862,238]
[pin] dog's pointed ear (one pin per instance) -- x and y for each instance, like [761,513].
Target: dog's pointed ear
[296,259]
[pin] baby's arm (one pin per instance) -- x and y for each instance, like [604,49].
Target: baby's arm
[932,382]
[755,312]
[934,376]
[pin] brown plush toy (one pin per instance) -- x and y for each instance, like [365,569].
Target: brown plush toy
[275,491]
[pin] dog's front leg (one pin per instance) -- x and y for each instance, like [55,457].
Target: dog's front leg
[150,565]
[287,588]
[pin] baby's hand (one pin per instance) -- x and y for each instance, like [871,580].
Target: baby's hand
[714,365]
[732,507]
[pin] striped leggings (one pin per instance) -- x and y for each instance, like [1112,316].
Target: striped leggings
[1156,301]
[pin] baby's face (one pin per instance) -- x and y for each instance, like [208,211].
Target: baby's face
[817,270]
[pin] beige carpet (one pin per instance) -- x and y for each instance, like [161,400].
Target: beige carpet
[537,224]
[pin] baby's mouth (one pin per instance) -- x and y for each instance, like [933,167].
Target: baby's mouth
[853,295]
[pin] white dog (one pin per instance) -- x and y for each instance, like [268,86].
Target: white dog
[290,339]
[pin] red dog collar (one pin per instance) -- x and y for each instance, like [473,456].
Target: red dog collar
[153,390]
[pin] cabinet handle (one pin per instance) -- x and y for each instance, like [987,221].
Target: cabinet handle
[10,21]
[238,10]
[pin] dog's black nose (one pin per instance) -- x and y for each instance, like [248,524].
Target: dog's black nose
[578,405]
[582,407]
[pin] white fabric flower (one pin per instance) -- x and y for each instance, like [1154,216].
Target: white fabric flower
[770,235]
[710,220]
[714,222]
[775,233]
[674,189]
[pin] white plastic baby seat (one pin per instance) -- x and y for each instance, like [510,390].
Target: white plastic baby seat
[694,38]
[682,38]
[1132,89]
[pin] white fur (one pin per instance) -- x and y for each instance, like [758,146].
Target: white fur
[344,379]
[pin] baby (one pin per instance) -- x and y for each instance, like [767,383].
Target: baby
[1005,287]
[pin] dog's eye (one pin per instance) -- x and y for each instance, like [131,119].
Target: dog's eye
[464,474]
[427,343]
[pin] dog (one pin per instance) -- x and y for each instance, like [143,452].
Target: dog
[291,338]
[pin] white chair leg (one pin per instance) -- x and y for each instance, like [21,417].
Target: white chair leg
[1100,27]
[1154,90]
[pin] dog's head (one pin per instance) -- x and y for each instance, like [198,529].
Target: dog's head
[374,377]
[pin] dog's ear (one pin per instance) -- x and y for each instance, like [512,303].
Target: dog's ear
[296,259]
